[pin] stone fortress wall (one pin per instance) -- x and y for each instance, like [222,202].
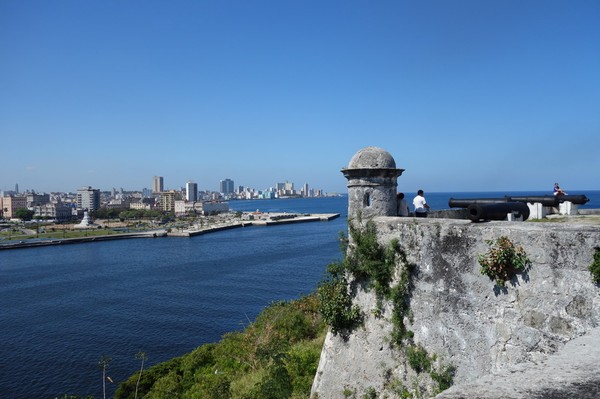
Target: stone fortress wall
[518,342]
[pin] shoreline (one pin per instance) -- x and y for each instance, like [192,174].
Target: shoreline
[33,243]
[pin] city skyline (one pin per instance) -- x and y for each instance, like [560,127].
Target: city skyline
[465,95]
[159,182]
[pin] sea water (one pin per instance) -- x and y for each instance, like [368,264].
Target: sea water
[63,307]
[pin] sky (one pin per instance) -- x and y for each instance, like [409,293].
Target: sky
[466,95]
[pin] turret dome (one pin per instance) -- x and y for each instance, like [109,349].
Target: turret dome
[372,158]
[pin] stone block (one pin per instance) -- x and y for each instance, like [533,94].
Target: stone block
[568,208]
[537,211]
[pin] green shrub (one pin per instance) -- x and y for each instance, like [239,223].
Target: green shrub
[594,268]
[126,390]
[335,303]
[349,393]
[368,260]
[276,384]
[166,387]
[371,393]
[503,260]
[444,377]
[400,297]
[301,363]
[418,358]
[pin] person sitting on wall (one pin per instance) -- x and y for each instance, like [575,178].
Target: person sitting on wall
[420,204]
[402,205]
[558,190]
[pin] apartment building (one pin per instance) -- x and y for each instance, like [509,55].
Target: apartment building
[88,198]
[10,205]
[167,200]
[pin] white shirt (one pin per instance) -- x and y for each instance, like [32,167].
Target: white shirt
[419,203]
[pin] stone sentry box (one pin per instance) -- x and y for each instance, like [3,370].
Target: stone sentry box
[372,180]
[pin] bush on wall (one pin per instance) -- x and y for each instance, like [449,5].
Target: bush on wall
[503,260]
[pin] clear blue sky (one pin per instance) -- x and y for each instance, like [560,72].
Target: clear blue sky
[466,95]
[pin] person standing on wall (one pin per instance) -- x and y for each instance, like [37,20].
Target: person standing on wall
[420,204]
[402,205]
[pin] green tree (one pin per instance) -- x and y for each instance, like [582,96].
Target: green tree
[24,214]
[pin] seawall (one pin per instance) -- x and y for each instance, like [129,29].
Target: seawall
[78,240]
[459,315]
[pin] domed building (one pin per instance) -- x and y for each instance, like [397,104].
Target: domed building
[372,180]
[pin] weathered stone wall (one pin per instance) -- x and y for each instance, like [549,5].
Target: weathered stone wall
[458,313]
[381,200]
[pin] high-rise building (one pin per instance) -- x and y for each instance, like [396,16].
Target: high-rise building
[88,198]
[191,191]
[167,200]
[305,192]
[226,187]
[284,189]
[157,184]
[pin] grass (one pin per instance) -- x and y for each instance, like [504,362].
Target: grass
[58,234]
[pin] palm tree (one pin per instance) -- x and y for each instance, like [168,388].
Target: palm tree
[142,356]
[104,361]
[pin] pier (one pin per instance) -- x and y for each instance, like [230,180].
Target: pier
[265,219]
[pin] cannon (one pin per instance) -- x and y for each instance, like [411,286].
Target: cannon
[497,211]
[465,202]
[545,200]
[575,199]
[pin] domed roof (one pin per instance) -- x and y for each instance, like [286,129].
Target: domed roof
[372,158]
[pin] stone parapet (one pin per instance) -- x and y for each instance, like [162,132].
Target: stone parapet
[460,314]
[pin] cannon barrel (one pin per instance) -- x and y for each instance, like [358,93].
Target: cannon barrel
[497,211]
[575,199]
[465,202]
[545,200]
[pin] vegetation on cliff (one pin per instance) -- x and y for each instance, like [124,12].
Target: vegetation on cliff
[276,356]
[376,267]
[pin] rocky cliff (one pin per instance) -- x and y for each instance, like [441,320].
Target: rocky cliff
[465,322]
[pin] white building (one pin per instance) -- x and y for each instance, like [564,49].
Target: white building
[88,198]
[201,208]
[210,208]
[58,212]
